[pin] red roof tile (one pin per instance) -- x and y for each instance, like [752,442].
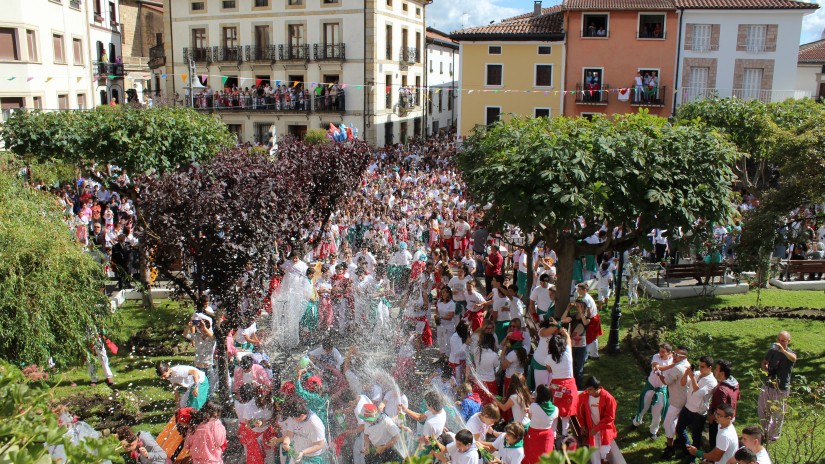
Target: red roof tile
[813,52]
[522,26]
[744,5]
[612,5]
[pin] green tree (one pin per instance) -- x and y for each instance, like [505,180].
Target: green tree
[564,178]
[27,424]
[50,290]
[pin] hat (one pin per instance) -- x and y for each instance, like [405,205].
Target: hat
[402,245]
[369,413]
[516,336]
[313,383]
[288,388]
[184,416]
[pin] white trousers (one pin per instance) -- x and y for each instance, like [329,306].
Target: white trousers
[671,418]
[104,362]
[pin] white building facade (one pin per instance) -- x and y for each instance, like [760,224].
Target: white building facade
[296,64]
[106,55]
[744,52]
[810,70]
[44,56]
[442,61]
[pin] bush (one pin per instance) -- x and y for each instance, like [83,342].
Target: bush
[316,136]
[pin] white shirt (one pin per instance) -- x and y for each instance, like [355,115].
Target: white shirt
[180,376]
[381,431]
[508,455]
[459,287]
[474,299]
[486,365]
[593,404]
[654,379]
[515,365]
[519,412]
[541,297]
[334,357]
[677,394]
[592,309]
[564,368]
[698,401]
[401,258]
[445,309]
[391,402]
[434,425]
[728,442]
[457,352]
[240,337]
[501,304]
[306,433]
[540,356]
[539,419]
[476,426]
[250,412]
[457,457]
[762,456]
[362,400]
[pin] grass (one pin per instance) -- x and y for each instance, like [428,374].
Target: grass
[743,342]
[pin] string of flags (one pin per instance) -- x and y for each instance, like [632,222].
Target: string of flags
[245,82]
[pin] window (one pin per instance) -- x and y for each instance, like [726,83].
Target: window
[418,11]
[332,34]
[595,25]
[388,91]
[389,3]
[440,100]
[112,13]
[57,44]
[77,51]
[701,37]
[542,112]
[198,38]
[198,6]
[230,37]
[545,50]
[330,2]
[295,32]
[494,50]
[404,7]
[388,38]
[697,84]
[757,33]
[588,116]
[494,74]
[752,84]
[544,75]
[450,100]
[63,102]
[228,4]
[651,26]
[81,101]
[8,44]
[261,3]
[37,103]
[493,113]
[13,103]
[236,130]
[31,41]
[98,7]
[418,41]
[261,37]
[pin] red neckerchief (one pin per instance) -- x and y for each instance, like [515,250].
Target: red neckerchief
[135,454]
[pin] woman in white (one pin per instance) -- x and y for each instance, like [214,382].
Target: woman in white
[446,315]
[518,399]
[458,350]
[486,365]
[289,303]
[560,362]
[458,285]
[254,423]
[304,435]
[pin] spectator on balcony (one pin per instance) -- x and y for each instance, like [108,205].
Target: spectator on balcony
[653,87]
[602,32]
[319,96]
[657,31]
[591,30]
[334,95]
[638,87]
[593,87]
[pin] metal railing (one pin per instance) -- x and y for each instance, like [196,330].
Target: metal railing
[408,99]
[293,52]
[198,55]
[266,53]
[691,94]
[329,52]
[650,35]
[227,54]
[104,69]
[157,56]
[330,101]
[592,94]
[755,48]
[408,55]
[704,47]
[648,96]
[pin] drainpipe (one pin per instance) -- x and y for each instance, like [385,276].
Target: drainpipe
[678,58]
[426,89]
[366,80]
[172,53]
[452,86]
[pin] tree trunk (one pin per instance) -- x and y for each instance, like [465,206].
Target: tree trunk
[221,363]
[145,279]
[566,254]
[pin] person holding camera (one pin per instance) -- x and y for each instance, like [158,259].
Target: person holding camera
[778,363]
[199,332]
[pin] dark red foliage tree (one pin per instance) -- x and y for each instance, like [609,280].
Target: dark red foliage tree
[220,221]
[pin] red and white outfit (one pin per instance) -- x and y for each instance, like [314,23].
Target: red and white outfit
[254,439]
[565,392]
[486,365]
[540,436]
[598,414]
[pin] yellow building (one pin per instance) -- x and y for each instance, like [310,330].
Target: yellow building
[514,66]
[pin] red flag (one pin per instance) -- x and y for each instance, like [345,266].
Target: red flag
[258,81]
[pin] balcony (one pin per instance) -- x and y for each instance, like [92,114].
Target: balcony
[408,55]
[691,94]
[157,57]
[227,54]
[198,55]
[592,94]
[260,54]
[408,99]
[704,46]
[329,52]
[649,96]
[104,69]
[75,4]
[293,53]
[330,100]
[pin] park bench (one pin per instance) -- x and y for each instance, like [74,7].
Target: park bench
[801,267]
[702,272]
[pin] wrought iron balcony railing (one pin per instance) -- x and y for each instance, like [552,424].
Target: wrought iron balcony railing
[293,52]
[327,52]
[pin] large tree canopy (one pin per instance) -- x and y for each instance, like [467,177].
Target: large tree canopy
[50,290]
[565,178]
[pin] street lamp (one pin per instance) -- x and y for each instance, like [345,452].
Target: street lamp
[616,312]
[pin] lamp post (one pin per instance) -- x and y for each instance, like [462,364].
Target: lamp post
[616,312]
[191,87]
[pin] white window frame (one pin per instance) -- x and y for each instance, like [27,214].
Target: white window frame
[639,23]
[585,68]
[485,113]
[584,25]
[549,111]
[702,47]
[502,75]
[751,47]
[750,92]
[536,75]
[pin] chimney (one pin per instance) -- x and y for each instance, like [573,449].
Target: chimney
[536,8]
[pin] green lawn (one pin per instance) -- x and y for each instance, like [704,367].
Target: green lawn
[743,342]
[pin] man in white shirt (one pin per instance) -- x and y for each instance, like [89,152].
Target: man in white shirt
[327,356]
[460,451]
[542,299]
[654,394]
[380,436]
[726,441]
[677,396]
[700,385]
[752,439]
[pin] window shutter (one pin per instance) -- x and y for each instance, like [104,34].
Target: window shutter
[688,37]
[742,38]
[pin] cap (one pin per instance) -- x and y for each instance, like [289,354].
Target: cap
[184,416]
[369,412]
[516,336]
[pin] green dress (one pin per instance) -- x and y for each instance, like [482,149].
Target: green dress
[309,320]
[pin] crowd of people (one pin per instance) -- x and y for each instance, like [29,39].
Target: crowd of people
[404,278]
[263,96]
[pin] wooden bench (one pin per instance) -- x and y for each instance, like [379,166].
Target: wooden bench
[702,272]
[801,267]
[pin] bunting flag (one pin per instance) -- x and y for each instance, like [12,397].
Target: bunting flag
[79,78]
[163,76]
[295,84]
[224,79]
[277,83]
[49,78]
[29,79]
[11,78]
[258,81]
[183,77]
[203,78]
